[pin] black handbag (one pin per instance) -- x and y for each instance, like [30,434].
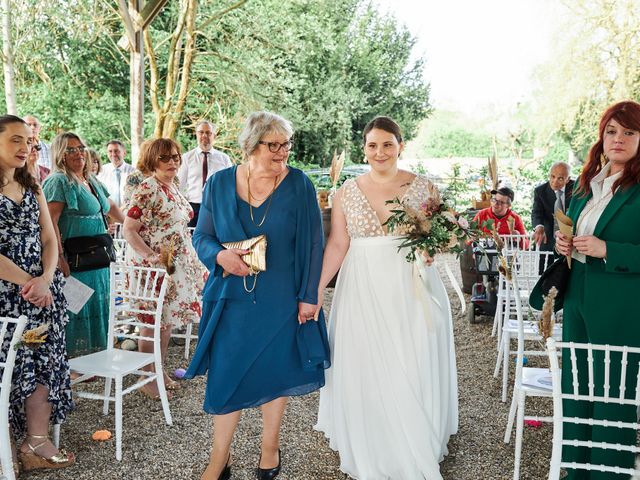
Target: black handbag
[556,275]
[90,252]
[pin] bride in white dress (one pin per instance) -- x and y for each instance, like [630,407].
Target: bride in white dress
[390,401]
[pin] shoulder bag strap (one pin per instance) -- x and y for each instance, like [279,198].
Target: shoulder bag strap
[106,225]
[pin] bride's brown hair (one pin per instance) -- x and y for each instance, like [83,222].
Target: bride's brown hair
[22,174]
[383,123]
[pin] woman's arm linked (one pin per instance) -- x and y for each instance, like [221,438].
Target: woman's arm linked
[336,249]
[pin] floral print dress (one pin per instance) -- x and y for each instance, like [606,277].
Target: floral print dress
[164,215]
[47,364]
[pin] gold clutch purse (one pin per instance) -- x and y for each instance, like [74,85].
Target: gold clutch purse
[256,258]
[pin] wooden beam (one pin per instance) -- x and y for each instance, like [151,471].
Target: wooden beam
[150,11]
[135,21]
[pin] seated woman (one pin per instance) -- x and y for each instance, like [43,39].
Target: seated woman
[156,227]
[30,285]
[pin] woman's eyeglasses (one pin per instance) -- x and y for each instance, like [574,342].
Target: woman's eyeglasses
[275,147]
[36,146]
[165,158]
[498,202]
[72,150]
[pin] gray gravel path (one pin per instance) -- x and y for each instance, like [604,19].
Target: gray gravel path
[153,450]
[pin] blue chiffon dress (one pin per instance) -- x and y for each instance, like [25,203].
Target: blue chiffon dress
[250,343]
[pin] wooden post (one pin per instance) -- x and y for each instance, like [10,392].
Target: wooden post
[136,82]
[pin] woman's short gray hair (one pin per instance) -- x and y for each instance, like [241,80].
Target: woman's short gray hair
[259,124]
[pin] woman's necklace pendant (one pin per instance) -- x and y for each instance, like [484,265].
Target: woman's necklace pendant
[264,217]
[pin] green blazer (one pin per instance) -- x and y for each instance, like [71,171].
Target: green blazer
[619,227]
[612,285]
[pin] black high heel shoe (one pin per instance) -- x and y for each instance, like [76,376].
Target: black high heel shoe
[226,473]
[270,473]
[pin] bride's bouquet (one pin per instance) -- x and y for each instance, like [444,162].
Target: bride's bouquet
[434,227]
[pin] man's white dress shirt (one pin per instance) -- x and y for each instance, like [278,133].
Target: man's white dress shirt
[190,172]
[45,155]
[109,176]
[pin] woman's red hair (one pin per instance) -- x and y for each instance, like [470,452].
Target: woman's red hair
[626,114]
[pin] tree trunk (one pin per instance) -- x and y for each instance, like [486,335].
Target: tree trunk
[7,59]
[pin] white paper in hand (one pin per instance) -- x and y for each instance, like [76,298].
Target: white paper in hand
[77,294]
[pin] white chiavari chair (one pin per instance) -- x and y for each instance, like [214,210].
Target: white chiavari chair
[595,391]
[525,265]
[529,382]
[6,366]
[144,290]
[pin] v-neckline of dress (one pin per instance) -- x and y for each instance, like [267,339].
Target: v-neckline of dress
[373,211]
[17,204]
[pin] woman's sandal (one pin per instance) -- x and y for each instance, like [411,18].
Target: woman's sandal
[154,396]
[32,461]
[171,384]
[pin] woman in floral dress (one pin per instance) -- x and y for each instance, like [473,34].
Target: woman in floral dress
[156,221]
[30,285]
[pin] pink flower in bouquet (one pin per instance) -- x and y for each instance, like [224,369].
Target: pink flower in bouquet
[463,223]
[431,206]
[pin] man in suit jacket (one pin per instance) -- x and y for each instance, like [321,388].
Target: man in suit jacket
[544,200]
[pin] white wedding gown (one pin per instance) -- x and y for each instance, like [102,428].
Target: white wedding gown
[390,401]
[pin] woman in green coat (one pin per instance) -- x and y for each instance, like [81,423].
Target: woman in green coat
[599,305]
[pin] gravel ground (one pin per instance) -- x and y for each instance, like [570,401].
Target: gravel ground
[153,450]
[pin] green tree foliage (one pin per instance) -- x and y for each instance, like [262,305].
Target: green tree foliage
[328,66]
[70,73]
[596,62]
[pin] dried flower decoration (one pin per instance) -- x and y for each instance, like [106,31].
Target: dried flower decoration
[505,268]
[167,256]
[547,319]
[34,338]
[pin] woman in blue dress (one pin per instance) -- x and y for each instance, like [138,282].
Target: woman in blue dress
[77,203]
[256,340]
[30,285]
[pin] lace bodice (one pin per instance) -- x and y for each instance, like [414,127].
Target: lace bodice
[362,220]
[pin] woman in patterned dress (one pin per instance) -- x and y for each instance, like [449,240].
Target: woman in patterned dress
[157,219]
[30,285]
[390,401]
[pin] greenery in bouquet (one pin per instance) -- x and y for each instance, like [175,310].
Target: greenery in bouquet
[435,227]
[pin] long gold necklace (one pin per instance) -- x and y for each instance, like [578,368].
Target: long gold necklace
[275,183]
